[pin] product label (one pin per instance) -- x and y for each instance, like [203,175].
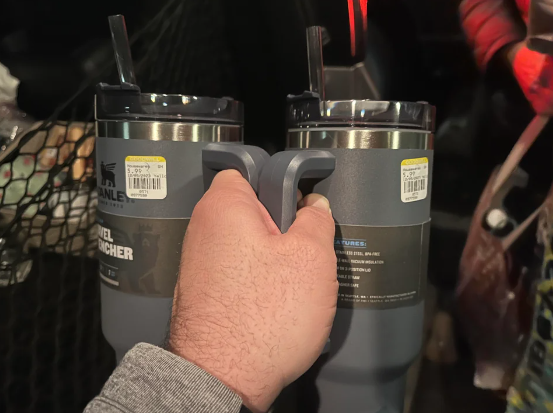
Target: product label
[414,179]
[140,255]
[146,177]
[381,267]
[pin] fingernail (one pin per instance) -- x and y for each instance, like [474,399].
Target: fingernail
[317,201]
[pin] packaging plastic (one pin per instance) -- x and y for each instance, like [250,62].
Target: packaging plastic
[492,302]
[494,294]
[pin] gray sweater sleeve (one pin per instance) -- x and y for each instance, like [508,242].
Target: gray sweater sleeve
[152,380]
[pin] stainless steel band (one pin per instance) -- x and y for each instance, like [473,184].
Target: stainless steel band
[169,131]
[359,138]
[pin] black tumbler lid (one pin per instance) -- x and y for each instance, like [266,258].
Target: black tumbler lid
[126,102]
[307,111]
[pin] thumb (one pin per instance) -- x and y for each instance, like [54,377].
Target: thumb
[314,219]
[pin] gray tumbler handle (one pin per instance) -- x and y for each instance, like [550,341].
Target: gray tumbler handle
[279,179]
[248,160]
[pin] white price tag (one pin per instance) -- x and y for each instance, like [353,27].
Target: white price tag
[414,179]
[146,177]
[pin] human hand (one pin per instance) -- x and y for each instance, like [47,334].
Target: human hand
[252,306]
[534,74]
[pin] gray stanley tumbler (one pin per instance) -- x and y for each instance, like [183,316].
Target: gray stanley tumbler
[150,177]
[373,161]
[380,198]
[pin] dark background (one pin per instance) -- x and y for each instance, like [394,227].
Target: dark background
[256,50]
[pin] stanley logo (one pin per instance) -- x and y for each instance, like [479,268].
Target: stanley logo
[107,174]
[106,189]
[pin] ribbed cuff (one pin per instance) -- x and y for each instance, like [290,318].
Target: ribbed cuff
[152,380]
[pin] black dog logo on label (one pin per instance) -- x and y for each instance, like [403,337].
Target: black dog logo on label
[107,174]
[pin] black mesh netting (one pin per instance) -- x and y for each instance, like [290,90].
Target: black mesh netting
[53,357]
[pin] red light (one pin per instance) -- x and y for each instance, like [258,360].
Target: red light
[362,4]
[351,13]
[364,13]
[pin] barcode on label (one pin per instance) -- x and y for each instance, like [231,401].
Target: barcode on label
[414,179]
[145,183]
[414,186]
[146,177]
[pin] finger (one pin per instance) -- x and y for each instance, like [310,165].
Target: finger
[316,200]
[230,203]
[300,198]
[231,180]
[314,219]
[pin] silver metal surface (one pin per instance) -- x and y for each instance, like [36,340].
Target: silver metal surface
[358,138]
[169,131]
[122,49]
[307,114]
[315,60]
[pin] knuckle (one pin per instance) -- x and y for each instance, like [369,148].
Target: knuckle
[221,202]
[231,179]
[309,251]
[232,194]
[228,174]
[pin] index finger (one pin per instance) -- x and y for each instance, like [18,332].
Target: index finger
[231,202]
